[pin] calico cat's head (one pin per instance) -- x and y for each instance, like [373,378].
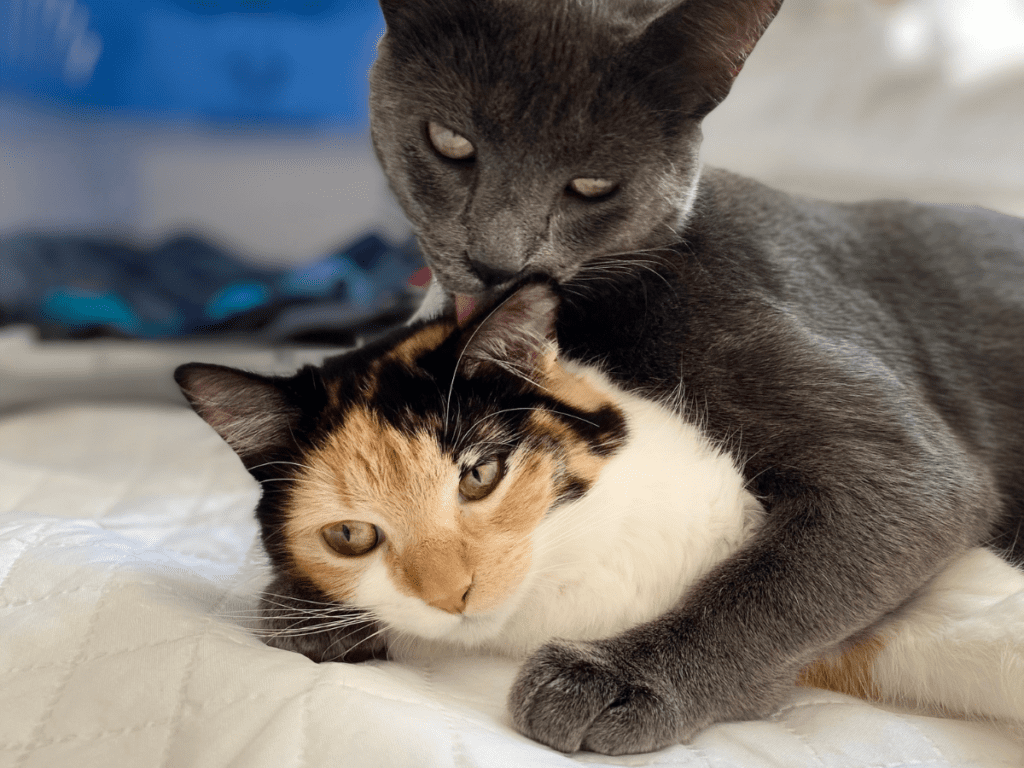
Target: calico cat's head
[535,135]
[404,482]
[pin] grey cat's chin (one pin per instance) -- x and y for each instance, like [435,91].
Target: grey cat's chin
[457,282]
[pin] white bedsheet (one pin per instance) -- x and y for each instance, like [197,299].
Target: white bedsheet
[127,560]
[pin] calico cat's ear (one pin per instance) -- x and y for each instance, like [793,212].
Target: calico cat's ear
[709,40]
[252,413]
[517,335]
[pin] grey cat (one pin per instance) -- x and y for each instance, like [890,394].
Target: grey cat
[864,363]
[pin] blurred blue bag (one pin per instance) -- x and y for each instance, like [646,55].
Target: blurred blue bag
[273,62]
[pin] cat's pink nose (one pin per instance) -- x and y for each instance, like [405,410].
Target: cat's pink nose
[453,601]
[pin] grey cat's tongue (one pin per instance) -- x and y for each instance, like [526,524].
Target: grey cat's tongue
[464,307]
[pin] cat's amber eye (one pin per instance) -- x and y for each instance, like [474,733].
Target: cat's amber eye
[449,143]
[592,188]
[351,537]
[480,480]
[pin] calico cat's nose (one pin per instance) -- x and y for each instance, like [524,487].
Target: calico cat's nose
[489,274]
[452,601]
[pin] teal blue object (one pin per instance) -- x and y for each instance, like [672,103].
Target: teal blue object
[236,298]
[317,280]
[82,308]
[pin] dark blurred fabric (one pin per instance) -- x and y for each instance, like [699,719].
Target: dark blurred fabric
[78,287]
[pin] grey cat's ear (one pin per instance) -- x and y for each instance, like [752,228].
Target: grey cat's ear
[252,413]
[398,11]
[391,9]
[518,335]
[709,39]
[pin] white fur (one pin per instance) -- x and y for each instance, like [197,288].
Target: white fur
[665,509]
[433,304]
[685,197]
[958,649]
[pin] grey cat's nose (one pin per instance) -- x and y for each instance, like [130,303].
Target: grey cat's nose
[490,275]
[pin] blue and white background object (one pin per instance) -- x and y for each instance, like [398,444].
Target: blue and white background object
[286,62]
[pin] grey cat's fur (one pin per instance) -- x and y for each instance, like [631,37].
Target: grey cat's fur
[865,361]
[547,92]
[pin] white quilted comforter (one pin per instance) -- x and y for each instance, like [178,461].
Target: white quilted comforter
[127,571]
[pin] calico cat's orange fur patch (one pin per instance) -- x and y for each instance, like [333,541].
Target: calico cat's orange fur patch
[580,462]
[436,546]
[851,672]
[572,389]
[426,340]
[483,544]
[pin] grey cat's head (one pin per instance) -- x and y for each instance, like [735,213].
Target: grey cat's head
[535,135]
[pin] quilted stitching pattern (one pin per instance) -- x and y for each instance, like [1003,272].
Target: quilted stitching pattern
[128,568]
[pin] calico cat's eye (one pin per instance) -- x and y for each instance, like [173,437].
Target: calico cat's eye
[480,480]
[449,143]
[351,537]
[592,189]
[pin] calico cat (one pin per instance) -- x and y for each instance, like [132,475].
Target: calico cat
[471,488]
[863,363]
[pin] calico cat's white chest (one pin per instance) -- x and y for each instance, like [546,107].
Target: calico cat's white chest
[665,510]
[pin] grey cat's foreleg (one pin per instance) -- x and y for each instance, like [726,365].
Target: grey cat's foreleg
[868,520]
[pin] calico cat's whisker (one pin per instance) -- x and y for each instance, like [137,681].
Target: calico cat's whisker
[352,647]
[458,424]
[399,644]
[325,483]
[307,630]
[288,599]
[288,463]
[536,409]
[282,610]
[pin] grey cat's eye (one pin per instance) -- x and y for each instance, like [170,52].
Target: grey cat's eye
[449,143]
[592,188]
[481,479]
[351,537]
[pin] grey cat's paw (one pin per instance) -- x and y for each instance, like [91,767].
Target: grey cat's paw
[584,696]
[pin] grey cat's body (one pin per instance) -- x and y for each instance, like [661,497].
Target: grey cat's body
[865,363]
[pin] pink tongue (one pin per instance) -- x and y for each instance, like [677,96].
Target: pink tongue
[464,306]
